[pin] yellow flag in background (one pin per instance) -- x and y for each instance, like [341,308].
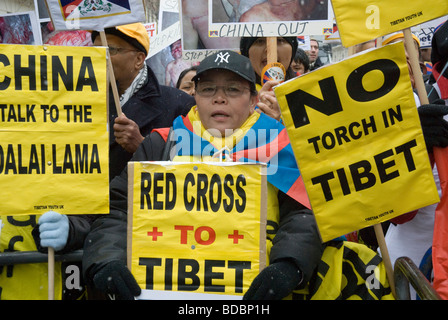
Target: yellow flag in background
[362,20]
[356,135]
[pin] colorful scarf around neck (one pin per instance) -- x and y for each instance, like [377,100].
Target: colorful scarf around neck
[260,139]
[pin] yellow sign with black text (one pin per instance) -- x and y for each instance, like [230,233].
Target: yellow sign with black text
[357,139]
[53,130]
[362,20]
[196,227]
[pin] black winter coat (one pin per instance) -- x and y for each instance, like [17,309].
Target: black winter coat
[153,106]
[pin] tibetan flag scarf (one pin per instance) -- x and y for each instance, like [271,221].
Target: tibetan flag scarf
[260,139]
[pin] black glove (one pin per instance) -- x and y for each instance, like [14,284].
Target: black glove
[275,282]
[115,278]
[434,127]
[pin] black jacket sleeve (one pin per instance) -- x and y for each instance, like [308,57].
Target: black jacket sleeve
[106,241]
[297,237]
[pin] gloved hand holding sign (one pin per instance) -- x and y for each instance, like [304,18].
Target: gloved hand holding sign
[434,126]
[54,229]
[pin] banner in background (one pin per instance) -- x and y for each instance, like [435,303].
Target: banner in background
[425,31]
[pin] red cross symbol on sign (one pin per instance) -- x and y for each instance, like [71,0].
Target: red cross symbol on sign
[154,234]
[235,236]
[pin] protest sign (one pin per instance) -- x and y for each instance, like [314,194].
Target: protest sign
[94,15]
[168,30]
[54,136]
[363,20]
[358,121]
[196,227]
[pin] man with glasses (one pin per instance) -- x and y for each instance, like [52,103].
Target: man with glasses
[224,115]
[145,104]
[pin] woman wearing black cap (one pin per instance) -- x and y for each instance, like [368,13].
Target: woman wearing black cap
[256,50]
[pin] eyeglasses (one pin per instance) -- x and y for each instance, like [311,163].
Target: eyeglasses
[114,50]
[232,90]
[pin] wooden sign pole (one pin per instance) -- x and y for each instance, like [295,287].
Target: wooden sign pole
[385,255]
[50,273]
[272,49]
[415,65]
[111,75]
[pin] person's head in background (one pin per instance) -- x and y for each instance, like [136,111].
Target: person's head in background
[399,36]
[365,46]
[255,49]
[301,63]
[128,48]
[185,82]
[313,54]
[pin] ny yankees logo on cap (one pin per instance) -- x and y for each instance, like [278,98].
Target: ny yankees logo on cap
[224,56]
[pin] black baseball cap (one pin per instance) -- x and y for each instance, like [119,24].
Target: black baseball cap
[227,60]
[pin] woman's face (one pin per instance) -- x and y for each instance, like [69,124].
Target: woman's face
[258,54]
[219,111]
[298,67]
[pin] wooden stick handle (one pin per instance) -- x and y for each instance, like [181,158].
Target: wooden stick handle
[271,44]
[412,51]
[111,75]
[50,274]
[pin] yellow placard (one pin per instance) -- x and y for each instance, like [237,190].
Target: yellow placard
[362,20]
[196,227]
[53,130]
[357,139]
